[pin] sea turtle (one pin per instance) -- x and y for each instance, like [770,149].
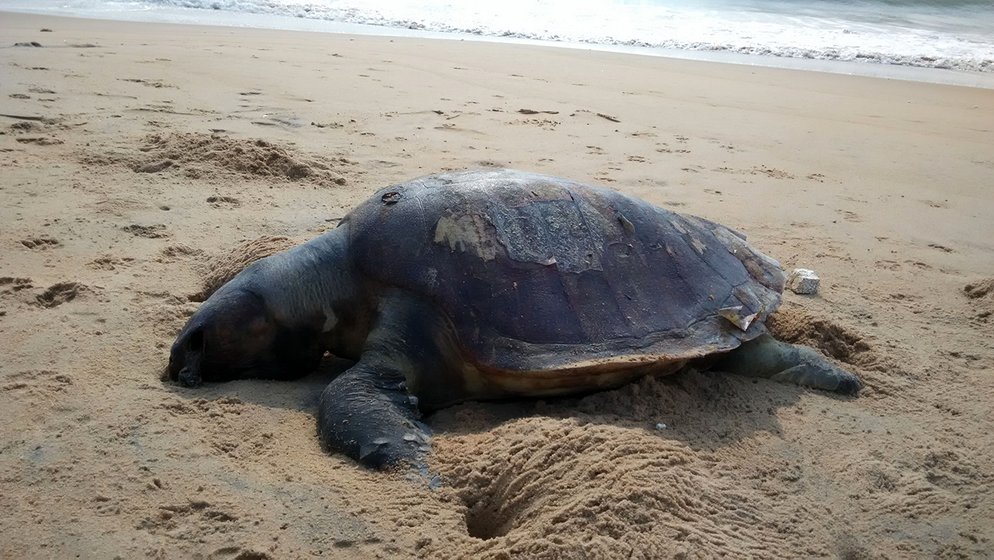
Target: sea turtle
[492,284]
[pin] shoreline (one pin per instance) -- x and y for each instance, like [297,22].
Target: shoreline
[214,18]
[137,158]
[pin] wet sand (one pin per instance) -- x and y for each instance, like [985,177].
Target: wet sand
[133,155]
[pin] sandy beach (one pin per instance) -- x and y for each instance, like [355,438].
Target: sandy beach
[135,157]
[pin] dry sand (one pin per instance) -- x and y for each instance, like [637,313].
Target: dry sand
[131,155]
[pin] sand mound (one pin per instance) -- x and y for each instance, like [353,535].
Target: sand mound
[882,371]
[213,156]
[628,473]
[555,488]
[793,324]
[583,482]
[227,264]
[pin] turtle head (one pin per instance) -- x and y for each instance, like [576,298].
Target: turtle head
[233,336]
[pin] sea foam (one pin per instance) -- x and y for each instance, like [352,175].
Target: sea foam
[949,34]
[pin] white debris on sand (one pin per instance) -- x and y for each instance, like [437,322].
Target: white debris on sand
[803,281]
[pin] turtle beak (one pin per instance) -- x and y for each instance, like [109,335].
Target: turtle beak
[189,376]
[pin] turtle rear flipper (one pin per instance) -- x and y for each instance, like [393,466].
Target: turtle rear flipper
[770,358]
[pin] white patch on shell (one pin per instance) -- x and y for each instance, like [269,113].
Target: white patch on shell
[734,316]
[467,234]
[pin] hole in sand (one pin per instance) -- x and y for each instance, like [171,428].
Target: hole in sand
[486,519]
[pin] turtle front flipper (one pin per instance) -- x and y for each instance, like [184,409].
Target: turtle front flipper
[770,358]
[372,411]
[367,414]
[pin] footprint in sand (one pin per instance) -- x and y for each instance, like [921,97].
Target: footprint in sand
[60,293]
[196,517]
[154,231]
[979,289]
[109,262]
[223,202]
[40,243]
[40,141]
[918,264]
[665,148]
[850,216]
[173,253]
[23,126]
[158,84]
[11,284]
[153,167]
[544,124]
[770,172]
[36,383]
[238,553]
[106,506]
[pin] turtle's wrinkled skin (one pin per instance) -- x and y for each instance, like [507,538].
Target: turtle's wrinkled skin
[492,284]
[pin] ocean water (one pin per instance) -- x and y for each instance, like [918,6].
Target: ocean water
[946,34]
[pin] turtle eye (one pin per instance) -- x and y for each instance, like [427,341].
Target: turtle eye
[195,342]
